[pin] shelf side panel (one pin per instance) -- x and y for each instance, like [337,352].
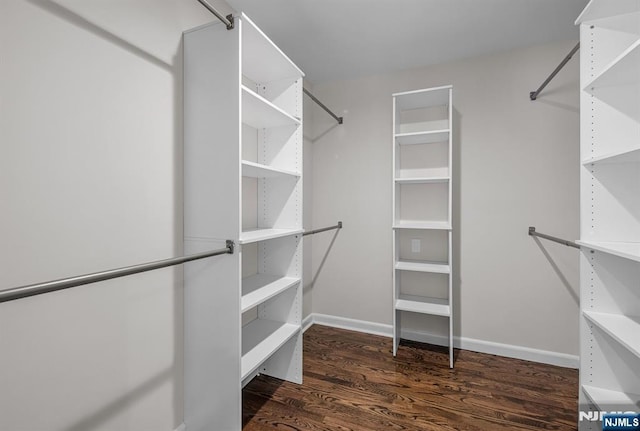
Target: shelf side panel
[609,365]
[280,200]
[617,107]
[623,329]
[263,61]
[610,37]
[614,284]
[616,214]
[286,363]
[212,348]
[278,147]
[211,132]
[281,256]
[285,94]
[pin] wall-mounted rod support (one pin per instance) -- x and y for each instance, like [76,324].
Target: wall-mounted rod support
[315,99]
[228,20]
[324,229]
[534,94]
[532,232]
[66,283]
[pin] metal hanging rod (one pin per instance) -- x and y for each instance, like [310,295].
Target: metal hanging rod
[534,94]
[67,283]
[532,232]
[315,99]
[324,229]
[228,20]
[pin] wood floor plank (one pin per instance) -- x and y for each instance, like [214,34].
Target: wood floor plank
[352,382]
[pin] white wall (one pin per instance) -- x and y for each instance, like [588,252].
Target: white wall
[517,165]
[91,179]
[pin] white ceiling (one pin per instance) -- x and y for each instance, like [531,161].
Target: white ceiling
[342,39]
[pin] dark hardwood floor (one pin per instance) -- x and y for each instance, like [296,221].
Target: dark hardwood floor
[352,382]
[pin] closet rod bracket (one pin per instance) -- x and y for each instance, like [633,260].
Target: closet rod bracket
[230,246]
[226,20]
[232,23]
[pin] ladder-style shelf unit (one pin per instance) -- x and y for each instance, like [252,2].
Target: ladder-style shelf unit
[610,207]
[422,207]
[242,181]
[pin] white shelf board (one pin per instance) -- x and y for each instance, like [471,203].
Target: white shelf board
[424,305]
[423,266]
[415,224]
[262,338]
[426,137]
[629,156]
[259,113]
[624,329]
[422,98]
[598,9]
[262,60]
[261,287]
[627,250]
[255,235]
[256,170]
[422,180]
[623,70]
[606,398]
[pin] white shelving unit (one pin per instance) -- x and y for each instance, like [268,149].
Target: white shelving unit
[610,207]
[242,181]
[422,206]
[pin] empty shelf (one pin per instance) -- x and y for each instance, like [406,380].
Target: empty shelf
[427,137]
[261,287]
[623,329]
[629,156]
[262,60]
[422,266]
[621,71]
[627,250]
[422,180]
[259,113]
[256,170]
[255,235]
[424,305]
[261,339]
[605,398]
[414,224]
[422,98]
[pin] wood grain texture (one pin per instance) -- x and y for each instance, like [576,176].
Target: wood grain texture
[352,382]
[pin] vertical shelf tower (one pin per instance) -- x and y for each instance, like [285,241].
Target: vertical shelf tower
[242,181]
[422,206]
[610,207]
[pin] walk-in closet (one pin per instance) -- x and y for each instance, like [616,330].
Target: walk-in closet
[239,215]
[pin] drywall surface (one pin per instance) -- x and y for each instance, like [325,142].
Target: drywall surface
[91,179]
[515,166]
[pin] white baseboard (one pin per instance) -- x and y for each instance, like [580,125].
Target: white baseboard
[352,324]
[489,347]
[307,322]
[182,427]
